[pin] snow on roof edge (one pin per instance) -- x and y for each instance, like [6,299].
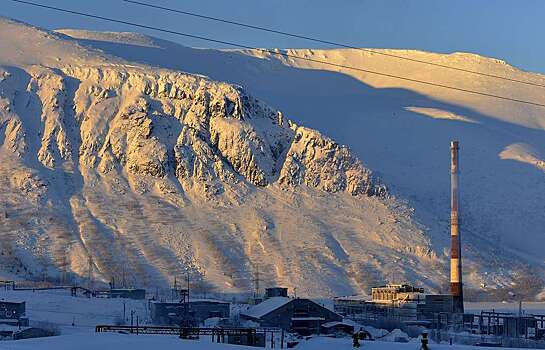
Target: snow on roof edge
[266,307]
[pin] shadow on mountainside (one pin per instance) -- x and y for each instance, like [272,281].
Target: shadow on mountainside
[409,150]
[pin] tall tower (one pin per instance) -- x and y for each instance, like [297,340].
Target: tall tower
[456,247]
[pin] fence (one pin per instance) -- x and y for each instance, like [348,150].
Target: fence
[232,335]
[486,340]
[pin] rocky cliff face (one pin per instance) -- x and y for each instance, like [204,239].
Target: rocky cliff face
[150,173]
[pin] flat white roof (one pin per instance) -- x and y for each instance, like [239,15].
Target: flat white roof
[14,301]
[337,323]
[266,307]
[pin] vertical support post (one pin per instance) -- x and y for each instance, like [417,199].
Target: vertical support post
[456,247]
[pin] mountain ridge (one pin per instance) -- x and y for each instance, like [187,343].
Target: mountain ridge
[240,184]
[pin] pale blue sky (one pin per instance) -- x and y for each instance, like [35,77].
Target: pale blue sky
[512,30]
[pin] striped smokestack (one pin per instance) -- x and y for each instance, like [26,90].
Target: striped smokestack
[455,249]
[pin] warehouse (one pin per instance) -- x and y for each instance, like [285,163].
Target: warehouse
[302,316]
[193,312]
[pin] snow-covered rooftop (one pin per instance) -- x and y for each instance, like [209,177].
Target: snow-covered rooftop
[359,297]
[199,300]
[12,300]
[266,307]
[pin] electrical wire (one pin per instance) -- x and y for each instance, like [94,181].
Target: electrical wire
[327,42]
[278,53]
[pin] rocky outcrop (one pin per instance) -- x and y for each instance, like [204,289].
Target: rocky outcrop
[319,162]
[207,135]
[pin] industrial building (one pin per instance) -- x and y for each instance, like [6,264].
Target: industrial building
[302,316]
[127,293]
[192,312]
[396,294]
[276,292]
[396,302]
[13,313]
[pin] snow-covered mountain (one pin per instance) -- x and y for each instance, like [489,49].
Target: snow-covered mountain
[117,151]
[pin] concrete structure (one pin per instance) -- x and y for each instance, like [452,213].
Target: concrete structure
[276,292]
[34,332]
[293,315]
[12,309]
[396,294]
[193,312]
[433,305]
[127,293]
[456,247]
[395,303]
[12,313]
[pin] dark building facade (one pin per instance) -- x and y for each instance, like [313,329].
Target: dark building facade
[12,313]
[193,312]
[434,304]
[12,309]
[294,315]
[276,292]
[337,327]
[137,294]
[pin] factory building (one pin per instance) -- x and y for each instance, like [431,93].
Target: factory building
[396,302]
[396,294]
[126,293]
[192,312]
[12,312]
[276,292]
[302,316]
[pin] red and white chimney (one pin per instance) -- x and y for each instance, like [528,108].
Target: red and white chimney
[456,246]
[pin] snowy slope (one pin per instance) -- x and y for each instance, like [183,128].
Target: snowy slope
[153,172]
[402,132]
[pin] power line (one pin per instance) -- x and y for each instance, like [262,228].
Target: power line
[327,42]
[278,53]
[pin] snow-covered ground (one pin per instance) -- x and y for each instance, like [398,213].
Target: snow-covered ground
[60,309]
[112,341]
[143,342]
